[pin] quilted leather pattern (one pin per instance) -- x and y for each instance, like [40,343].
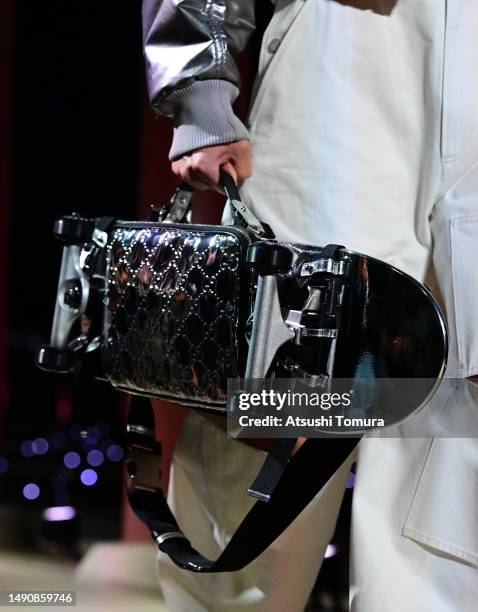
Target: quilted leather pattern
[172,318]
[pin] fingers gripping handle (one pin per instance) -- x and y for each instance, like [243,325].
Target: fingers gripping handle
[229,185]
[179,208]
[242,216]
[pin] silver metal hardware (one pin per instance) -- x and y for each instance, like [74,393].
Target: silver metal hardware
[293,322]
[323,264]
[78,343]
[100,238]
[311,380]
[241,210]
[169,535]
[318,333]
[65,316]
[269,332]
[180,205]
[293,319]
[139,429]
[93,344]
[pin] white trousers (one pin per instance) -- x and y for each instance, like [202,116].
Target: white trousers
[210,476]
[364,130]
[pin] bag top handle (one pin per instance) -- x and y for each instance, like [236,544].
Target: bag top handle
[178,209]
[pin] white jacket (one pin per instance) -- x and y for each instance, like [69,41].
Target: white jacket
[373,143]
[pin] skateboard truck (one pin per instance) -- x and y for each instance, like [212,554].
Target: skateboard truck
[73,293]
[318,319]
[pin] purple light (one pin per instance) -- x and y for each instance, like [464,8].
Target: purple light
[95,458]
[40,446]
[115,452]
[59,513]
[31,491]
[4,465]
[72,460]
[331,551]
[350,481]
[26,448]
[88,477]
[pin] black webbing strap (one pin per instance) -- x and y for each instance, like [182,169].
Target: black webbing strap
[272,469]
[304,475]
[277,458]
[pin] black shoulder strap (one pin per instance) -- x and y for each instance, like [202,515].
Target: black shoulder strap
[304,475]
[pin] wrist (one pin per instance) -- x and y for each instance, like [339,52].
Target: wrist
[203,116]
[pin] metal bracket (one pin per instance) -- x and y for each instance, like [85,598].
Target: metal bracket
[65,315]
[244,217]
[269,332]
[300,331]
[178,209]
[311,380]
[323,264]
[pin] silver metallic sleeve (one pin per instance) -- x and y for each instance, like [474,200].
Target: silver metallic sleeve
[189,47]
[189,40]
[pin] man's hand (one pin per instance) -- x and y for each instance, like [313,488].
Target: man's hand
[201,168]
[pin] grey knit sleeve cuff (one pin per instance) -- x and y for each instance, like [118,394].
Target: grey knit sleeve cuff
[203,116]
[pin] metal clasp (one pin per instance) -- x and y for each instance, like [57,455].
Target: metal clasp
[323,264]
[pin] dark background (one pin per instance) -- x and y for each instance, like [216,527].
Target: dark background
[76,135]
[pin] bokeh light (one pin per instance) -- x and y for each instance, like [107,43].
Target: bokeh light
[26,448]
[59,513]
[72,460]
[115,452]
[40,446]
[88,477]
[95,458]
[31,491]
